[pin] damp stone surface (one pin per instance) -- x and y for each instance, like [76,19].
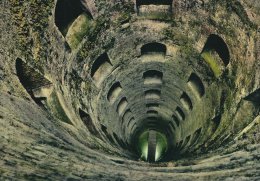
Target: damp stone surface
[130,90]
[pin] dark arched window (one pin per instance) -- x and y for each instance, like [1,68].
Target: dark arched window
[153,48]
[196,84]
[31,80]
[186,101]
[104,129]
[100,69]
[217,44]
[86,119]
[152,77]
[66,12]
[114,92]
[196,136]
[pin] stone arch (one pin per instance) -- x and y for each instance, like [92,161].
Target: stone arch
[217,44]
[152,77]
[196,84]
[66,12]
[153,48]
[86,119]
[114,92]
[33,81]
[100,69]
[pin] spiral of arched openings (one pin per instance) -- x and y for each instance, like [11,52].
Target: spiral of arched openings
[158,105]
[153,111]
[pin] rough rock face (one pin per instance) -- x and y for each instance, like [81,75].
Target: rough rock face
[81,80]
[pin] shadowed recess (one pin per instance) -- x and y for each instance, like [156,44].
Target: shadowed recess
[152,94]
[29,77]
[180,113]
[114,92]
[152,112]
[152,77]
[126,116]
[216,43]
[153,48]
[101,67]
[186,101]
[176,120]
[66,12]
[33,82]
[196,136]
[254,97]
[109,137]
[186,141]
[122,105]
[152,105]
[155,2]
[86,119]
[119,141]
[172,126]
[130,121]
[196,84]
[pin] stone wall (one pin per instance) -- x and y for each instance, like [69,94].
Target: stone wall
[44,134]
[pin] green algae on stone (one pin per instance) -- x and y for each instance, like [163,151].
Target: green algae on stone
[78,29]
[206,55]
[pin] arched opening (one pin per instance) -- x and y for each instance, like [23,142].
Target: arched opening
[180,114]
[176,120]
[196,85]
[114,92]
[172,126]
[126,116]
[119,141]
[249,109]
[100,69]
[186,141]
[195,137]
[217,44]
[153,48]
[179,145]
[152,105]
[73,20]
[216,54]
[33,82]
[153,94]
[130,121]
[186,101]
[254,98]
[122,106]
[86,119]
[41,90]
[66,12]
[152,112]
[152,77]
[109,137]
